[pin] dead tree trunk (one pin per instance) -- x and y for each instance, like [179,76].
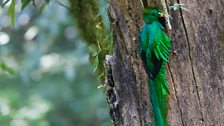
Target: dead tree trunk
[195,72]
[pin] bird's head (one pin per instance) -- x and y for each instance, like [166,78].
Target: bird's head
[151,14]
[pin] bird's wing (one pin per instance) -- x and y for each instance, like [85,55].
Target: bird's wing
[143,39]
[162,45]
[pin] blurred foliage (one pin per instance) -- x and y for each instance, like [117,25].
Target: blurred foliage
[93,23]
[45,75]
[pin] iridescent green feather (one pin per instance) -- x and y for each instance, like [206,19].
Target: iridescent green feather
[155,50]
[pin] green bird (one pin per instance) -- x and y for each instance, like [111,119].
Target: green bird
[155,47]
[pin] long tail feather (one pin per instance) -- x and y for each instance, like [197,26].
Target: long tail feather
[158,118]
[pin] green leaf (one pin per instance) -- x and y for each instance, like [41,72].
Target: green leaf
[11,71]
[93,49]
[100,86]
[25,3]
[110,47]
[101,75]
[5,68]
[106,38]
[11,11]
[95,53]
[96,63]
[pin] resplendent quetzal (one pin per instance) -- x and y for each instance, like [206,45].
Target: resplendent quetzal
[155,48]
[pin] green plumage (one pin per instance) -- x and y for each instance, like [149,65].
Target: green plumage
[155,48]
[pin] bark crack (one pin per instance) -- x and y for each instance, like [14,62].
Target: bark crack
[169,69]
[175,93]
[192,66]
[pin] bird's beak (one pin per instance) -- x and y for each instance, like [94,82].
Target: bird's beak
[161,14]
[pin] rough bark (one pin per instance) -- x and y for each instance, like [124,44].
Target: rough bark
[130,79]
[195,71]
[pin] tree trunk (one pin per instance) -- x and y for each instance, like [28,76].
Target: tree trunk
[195,71]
